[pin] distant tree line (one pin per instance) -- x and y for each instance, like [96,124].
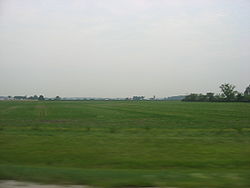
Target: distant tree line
[229,94]
[35,97]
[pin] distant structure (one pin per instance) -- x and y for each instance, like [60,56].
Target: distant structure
[20,97]
[2,98]
[138,98]
[153,98]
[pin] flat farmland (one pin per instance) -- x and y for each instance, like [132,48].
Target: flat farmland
[126,143]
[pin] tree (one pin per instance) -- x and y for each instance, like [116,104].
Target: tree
[219,97]
[41,98]
[228,91]
[247,91]
[35,97]
[210,96]
[191,97]
[58,98]
[202,97]
[240,97]
[229,94]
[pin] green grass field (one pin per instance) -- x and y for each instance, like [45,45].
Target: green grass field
[126,143]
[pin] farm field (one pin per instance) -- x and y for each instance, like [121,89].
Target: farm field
[126,143]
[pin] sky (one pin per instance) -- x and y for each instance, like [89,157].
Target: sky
[122,48]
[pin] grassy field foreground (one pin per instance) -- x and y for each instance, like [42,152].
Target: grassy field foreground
[126,143]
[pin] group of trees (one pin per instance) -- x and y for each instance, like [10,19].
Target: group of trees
[41,98]
[229,94]
[35,97]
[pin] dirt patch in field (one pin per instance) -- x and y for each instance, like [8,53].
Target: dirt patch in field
[17,184]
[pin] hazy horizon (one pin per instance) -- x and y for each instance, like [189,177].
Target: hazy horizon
[115,48]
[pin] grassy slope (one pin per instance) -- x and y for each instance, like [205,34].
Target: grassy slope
[126,143]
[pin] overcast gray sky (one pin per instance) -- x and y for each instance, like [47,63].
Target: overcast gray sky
[120,48]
